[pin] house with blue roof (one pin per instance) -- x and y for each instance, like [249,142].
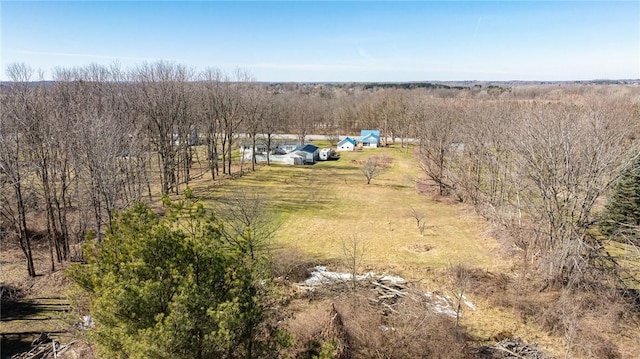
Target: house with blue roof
[370,138]
[347,144]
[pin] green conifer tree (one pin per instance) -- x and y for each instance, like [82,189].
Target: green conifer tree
[169,287]
[621,217]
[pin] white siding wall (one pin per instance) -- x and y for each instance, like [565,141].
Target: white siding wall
[346,147]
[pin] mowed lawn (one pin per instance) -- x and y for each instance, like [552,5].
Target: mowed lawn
[320,207]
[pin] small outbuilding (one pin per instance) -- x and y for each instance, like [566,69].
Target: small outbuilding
[294,158]
[310,152]
[347,144]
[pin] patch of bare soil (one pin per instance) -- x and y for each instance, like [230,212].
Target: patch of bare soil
[430,189]
[418,247]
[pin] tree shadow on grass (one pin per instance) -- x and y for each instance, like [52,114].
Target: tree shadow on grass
[32,309]
[33,316]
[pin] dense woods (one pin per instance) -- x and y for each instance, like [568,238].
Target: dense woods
[538,162]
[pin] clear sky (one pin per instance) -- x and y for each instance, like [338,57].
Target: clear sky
[334,40]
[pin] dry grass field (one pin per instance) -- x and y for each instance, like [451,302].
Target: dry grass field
[321,207]
[317,209]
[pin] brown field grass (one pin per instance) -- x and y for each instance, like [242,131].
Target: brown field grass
[319,208]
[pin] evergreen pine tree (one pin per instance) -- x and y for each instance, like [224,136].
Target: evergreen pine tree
[621,217]
[169,287]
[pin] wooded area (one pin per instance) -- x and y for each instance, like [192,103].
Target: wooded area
[97,139]
[539,162]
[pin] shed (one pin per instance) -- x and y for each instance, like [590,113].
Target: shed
[294,159]
[310,152]
[347,144]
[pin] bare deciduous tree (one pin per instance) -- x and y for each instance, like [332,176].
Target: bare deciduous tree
[255,108]
[461,279]
[353,252]
[209,93]
[567,154]
[162,102]
[374,166]
[538,170]
[305,111]
[273,121]
[248,224]
[419,217]
[13,171]
[438,128]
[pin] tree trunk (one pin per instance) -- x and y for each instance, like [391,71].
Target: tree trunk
[25,241]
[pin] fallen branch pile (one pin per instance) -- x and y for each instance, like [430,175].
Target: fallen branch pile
[387,293]
[512,348]
[44,347]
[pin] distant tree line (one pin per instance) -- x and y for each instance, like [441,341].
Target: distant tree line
[411,86]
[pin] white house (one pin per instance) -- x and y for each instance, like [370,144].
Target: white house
[370,138]
[278,152]
[282,152]
[347,144]
[286,147]
[246,148]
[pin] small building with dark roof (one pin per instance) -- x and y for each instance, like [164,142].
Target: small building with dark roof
[310,152]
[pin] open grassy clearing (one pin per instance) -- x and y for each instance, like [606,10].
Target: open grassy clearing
[321,206]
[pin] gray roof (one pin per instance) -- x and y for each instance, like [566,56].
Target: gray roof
[286,143]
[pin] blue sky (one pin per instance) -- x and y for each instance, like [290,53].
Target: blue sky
[334,40]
